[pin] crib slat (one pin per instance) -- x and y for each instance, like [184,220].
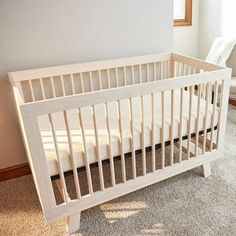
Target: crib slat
[71,148]
[140,73]
[198,117]
[82,82]
[63,86]
[132,74]
[91,81]
[100,80]
[153,134]
[87,165]
[98,149]
[42,89]
[213,114]
[112,169]
[53,87]
[205,119]
[162,130]
[181,125]
[122,144]
[132,139]
[72,83]
[31,91]
[60,165]
[172,130]
[189,120]
[143,137]
[148,79]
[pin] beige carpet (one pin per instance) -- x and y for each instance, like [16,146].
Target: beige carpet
[187,204]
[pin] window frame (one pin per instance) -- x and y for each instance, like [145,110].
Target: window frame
[187,21]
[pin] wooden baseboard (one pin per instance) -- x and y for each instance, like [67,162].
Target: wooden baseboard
[14,171]
[232,101]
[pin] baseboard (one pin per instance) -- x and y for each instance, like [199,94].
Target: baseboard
[232,101]
[14,171]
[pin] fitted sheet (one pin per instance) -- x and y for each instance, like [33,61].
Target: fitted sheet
[77,141]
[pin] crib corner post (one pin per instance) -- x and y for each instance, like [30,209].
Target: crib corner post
[205,169]
[73,224]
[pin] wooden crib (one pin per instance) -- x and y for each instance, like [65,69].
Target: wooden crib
[99,130]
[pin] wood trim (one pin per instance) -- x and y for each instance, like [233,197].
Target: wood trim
[187,21]
[232,101]
[14,171]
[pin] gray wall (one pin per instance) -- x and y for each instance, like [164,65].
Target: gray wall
[52,32]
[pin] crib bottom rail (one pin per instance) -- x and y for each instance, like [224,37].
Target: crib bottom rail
[77,205]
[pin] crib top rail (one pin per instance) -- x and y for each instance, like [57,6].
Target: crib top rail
[108,64]
[42,107]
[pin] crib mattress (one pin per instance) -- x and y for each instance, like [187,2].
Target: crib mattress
[77,141]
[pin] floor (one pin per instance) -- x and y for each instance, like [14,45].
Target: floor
[187,204]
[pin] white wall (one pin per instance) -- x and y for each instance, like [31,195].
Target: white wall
[186,37]
[210,19]
[37,33]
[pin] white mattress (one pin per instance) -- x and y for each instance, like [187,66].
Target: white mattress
[64,151]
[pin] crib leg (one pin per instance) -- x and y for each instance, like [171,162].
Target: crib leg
[206,170]
[73,223]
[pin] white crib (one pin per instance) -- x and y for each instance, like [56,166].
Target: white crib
[117,126]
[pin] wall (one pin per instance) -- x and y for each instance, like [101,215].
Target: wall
[210,17]
[186,37]
[43,33]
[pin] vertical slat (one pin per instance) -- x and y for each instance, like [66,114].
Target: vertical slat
[205,119]
[100,80]
[98,152]
[132,138]
[82,82]
[42,89]
[198,118]
[172,129]
[143,137]
[72,153]
[63,86]
[132,74]
[112,169]
[123,169]
[162,70]
[213,114]
[140,73]
[189,121]
[60,165]
[108,78]
[153,134]
[162,129]
[72,83]
[91,81]
[181,124]
[87,165]
[31,91]
[53,87]
[148,79]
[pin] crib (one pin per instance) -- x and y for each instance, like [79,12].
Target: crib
[99,130]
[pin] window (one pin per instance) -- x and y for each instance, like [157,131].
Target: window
[182,12]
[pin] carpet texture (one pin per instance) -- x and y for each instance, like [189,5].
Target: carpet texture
[187,204]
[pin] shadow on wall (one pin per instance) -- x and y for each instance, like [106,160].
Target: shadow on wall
[11,144]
